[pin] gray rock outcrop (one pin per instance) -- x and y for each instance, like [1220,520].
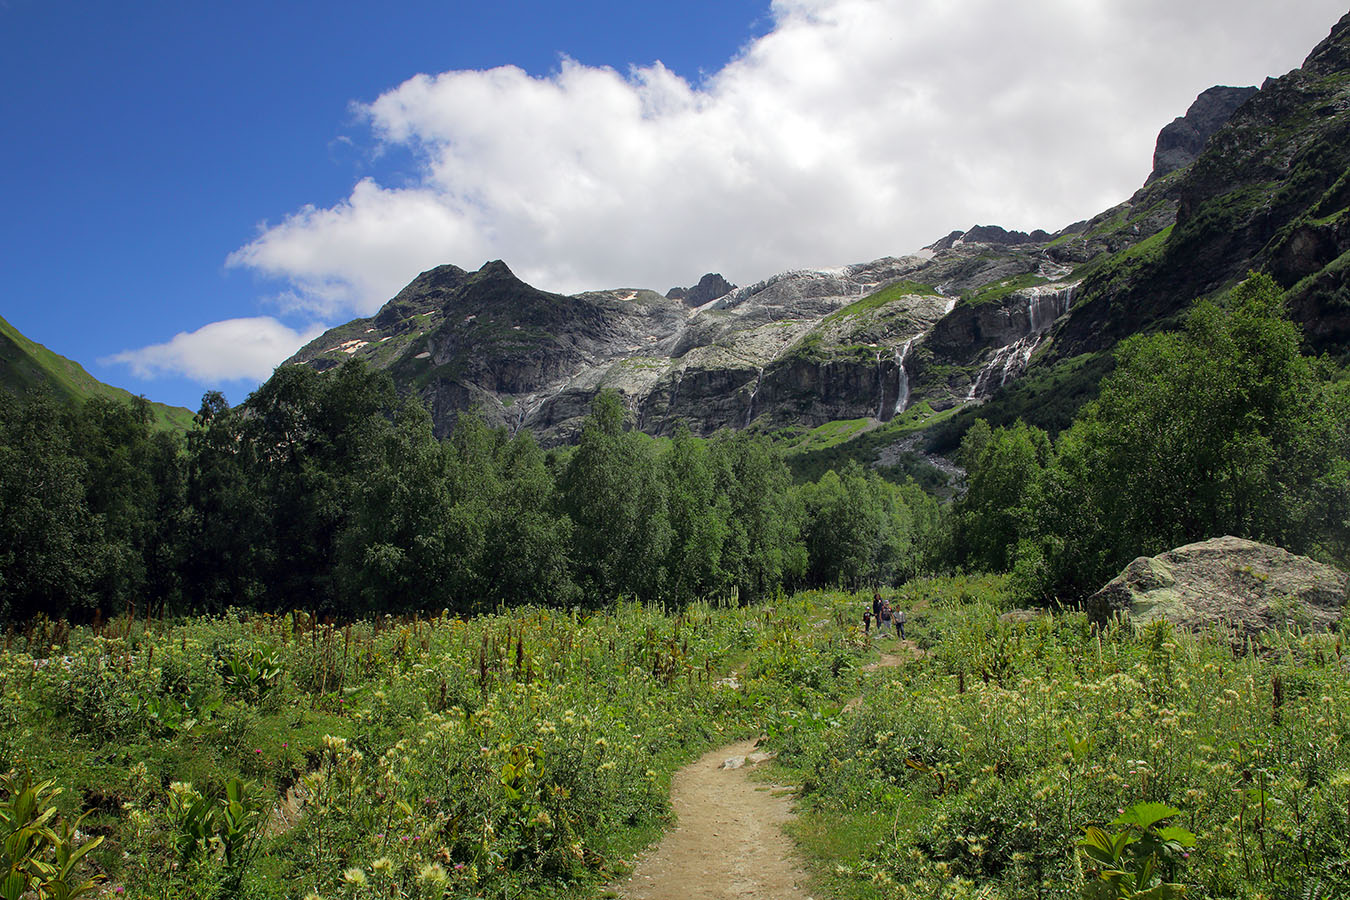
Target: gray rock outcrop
[990,234]
[1180,142]
[1226,581]
[709,287]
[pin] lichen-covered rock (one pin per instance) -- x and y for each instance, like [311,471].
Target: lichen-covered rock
[1226,581]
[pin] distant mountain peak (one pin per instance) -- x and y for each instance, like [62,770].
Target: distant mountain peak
[495,268]
[989,234]
[955,324]
[709,287]
[1181,141]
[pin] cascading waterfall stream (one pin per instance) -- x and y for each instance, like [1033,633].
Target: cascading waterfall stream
[881,386]
[674,395]
[902,377]
[1044,307]
[750,413]
[999,363]
[902,387]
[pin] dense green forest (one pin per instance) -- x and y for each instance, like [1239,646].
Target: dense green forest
[329,493]
[1223,427]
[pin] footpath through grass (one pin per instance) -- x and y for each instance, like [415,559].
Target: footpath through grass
[530,754]
[523,754]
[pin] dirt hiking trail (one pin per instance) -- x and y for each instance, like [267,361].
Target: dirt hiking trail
[901,653]
[729,842]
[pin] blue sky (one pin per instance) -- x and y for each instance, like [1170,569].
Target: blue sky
[190,188]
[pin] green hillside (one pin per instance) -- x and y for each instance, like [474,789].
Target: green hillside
[27,366]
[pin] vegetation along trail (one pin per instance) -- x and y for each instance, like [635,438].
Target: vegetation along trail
[729,842]
[907,651]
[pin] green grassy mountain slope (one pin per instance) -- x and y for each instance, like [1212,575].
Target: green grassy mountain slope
[1270,192]
[26,367]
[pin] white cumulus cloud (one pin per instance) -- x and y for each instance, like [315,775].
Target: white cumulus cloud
[853,129]
[231,350]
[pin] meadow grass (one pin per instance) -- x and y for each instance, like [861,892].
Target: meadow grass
[974,770]
[529,753]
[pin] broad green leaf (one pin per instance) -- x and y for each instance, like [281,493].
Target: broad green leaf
[1178,835]
[1145,815]
[12,886]
[1098,845]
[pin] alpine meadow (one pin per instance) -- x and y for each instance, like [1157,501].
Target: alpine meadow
[1014,568]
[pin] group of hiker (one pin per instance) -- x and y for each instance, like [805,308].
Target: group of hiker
[882,613]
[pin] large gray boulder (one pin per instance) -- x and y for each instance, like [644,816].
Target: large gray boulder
[1226,581]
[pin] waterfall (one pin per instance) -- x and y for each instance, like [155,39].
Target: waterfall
[881,386]
[1016,361]
[674,395]
[750,413]
[1036,312]
[902,386]
[520,412]
[980,386]
[902,377]
[1044,306]
[1007,363]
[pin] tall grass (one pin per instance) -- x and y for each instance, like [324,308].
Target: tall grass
[527,751]
[974,770]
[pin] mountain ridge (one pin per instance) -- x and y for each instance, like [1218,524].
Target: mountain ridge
[1257,180]
[27,366]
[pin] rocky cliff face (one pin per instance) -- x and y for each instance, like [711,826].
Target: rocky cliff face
[990,234]
[709,288]
[953,324]
[800,348]
[1180,142]
[1269,192]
